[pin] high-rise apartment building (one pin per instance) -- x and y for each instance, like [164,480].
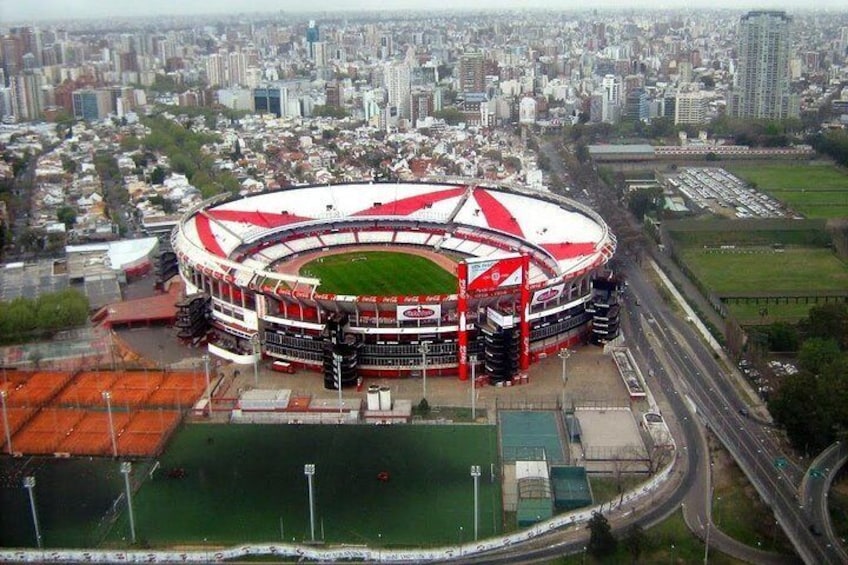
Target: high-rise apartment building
[761,87]
[691,108]
[471,76]
[398,81]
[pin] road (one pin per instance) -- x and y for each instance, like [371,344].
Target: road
[705,383]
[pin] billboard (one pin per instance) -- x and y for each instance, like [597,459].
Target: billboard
[547,294]
[419,312]
[490,274]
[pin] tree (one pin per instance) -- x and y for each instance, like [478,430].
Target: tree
[601,541]
[827,321]
[642,201]
[67,215]
[635,541]
[817,353]
[451,116]
[157,176]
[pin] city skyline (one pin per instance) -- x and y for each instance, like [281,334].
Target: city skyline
[46,10]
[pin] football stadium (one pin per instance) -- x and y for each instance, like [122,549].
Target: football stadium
[388,279]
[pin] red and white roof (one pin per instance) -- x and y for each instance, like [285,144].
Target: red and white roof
[571,236]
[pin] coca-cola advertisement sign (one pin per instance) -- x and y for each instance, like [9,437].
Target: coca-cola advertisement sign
[420,312]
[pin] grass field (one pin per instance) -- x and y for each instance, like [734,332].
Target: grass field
[379,273]
[72,496]
[246,484]
[793,270]
[817,191]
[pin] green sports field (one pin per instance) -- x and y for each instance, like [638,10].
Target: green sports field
[379,273]
[816,191]
[245,483]
[751,270]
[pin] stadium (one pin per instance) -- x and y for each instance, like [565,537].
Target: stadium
[528,276]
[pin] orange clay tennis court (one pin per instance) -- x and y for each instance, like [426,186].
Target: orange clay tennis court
[32,389]
[53,412]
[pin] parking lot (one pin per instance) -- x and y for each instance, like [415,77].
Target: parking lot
[716,190]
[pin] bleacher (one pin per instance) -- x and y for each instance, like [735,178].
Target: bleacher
[376,236]
[333,239]
[412,237]
[275,252]
[304,244]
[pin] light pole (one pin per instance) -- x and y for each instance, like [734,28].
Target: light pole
[208,387]
[6,423]
[564,354]
[254,342]
[475,474]
[473,360]
[424,349]
[29,484]
[107,396]
[126,469]
[309,471]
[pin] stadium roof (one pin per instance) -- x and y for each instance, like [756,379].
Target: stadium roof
[570,236]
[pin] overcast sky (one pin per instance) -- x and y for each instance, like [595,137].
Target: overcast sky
[23,10]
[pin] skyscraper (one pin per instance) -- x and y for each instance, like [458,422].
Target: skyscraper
[471,77]
[312,37]
[762,75]
[397,77]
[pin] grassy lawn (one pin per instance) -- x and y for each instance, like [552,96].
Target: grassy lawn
[837,503]
[379,273]
[749,314]
[668,542]
[738,510]
[246,483]
[795,269]
[605,489]
[816,191]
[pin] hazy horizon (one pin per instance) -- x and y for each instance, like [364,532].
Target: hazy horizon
[45,10]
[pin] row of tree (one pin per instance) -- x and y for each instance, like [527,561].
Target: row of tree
[184,148]
[24,319]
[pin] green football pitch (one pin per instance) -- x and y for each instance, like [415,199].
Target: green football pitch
[380,273]
[246,483]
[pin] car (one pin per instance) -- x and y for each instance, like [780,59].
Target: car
[815,530]
[744,412]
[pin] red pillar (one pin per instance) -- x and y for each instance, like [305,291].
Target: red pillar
[462,306]
[524,357]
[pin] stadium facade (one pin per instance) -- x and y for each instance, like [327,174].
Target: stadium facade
[234,251]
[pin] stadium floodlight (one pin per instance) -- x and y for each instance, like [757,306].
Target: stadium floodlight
[107,396]
[424,350]
[564,354]
[29,484]
[208,388]
[309,471]
[475,475]
[6,422]
[255,345]
[473,360]
[126,469]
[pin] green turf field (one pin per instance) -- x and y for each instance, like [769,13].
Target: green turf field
[753,270]
[762,270]
[817,191]
[72,497]
[380,273]
[245,483]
